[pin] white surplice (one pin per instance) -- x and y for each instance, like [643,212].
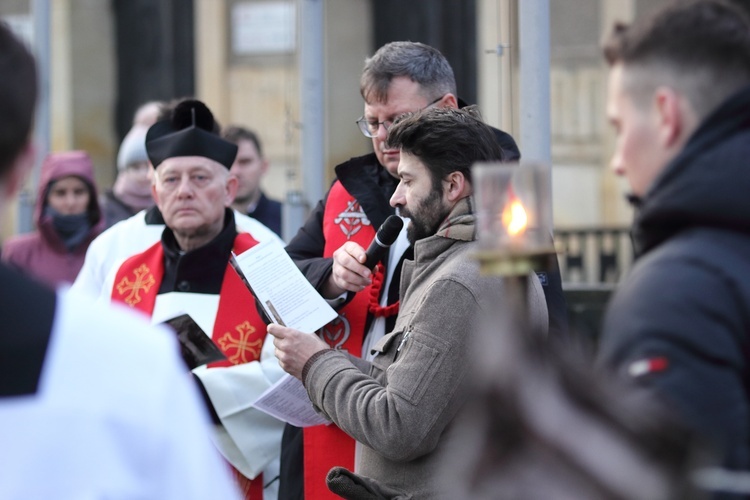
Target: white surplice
[115,416]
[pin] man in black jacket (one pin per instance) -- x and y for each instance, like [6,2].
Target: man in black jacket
[679,100]
[401,77]
[249,167]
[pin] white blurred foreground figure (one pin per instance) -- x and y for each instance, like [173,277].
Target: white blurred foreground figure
[94,402]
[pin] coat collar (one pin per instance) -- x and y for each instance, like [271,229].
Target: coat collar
[460,225]
[706,184]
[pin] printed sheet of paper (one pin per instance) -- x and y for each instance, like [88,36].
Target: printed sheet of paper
[282,290]
[287,400]
[290,300]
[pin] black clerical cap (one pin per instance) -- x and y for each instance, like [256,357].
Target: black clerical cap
[188,132]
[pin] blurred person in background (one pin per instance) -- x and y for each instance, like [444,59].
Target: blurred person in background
[67,217]
[148,113]
[131,191]
[249,168]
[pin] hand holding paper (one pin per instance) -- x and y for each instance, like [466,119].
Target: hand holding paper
[294,348]
[282,290]
[287,299]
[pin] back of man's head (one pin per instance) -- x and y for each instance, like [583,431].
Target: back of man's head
[421,63]
[18,93]
[446,140]
[701,48]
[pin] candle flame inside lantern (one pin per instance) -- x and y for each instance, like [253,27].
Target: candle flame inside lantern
[514,218]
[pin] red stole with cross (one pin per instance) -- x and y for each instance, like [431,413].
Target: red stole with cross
[328,446]
[238,329]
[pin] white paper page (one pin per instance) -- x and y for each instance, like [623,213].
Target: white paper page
[282,289]
[287,400]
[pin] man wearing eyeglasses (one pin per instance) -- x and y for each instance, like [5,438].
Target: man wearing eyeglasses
[401,77]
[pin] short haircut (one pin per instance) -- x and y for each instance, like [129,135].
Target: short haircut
[18,94]
[701,48]
[235,134]
[446,140]
[421,63]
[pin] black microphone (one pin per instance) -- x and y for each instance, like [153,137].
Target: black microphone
[384,238]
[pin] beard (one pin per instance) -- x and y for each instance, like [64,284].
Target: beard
[425,217]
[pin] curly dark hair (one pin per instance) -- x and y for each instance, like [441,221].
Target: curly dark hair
[446,140]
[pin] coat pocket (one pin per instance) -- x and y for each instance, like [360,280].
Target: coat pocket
[418,358]
[385,352]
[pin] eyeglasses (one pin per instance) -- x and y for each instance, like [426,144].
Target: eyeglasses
[370,128]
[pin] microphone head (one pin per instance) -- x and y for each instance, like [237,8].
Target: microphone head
[388,232]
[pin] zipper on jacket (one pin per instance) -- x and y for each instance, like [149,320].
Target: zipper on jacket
[404,339]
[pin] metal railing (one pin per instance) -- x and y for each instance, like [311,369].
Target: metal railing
[592,262]
[594,255]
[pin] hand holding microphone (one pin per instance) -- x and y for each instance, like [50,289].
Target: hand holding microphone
[352,265]
[384,238]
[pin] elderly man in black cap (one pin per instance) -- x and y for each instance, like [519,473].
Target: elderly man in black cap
[188,271]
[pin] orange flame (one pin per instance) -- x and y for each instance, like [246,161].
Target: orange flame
[514,218]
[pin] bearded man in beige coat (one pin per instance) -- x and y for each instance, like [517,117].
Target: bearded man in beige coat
[400,406]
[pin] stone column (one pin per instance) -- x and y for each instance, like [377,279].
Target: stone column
[497,29]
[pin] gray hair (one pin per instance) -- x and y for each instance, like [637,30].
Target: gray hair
[421,63]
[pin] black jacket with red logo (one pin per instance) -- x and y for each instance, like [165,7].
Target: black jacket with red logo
[679,324]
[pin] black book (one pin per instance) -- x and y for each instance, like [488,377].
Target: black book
[197,348]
